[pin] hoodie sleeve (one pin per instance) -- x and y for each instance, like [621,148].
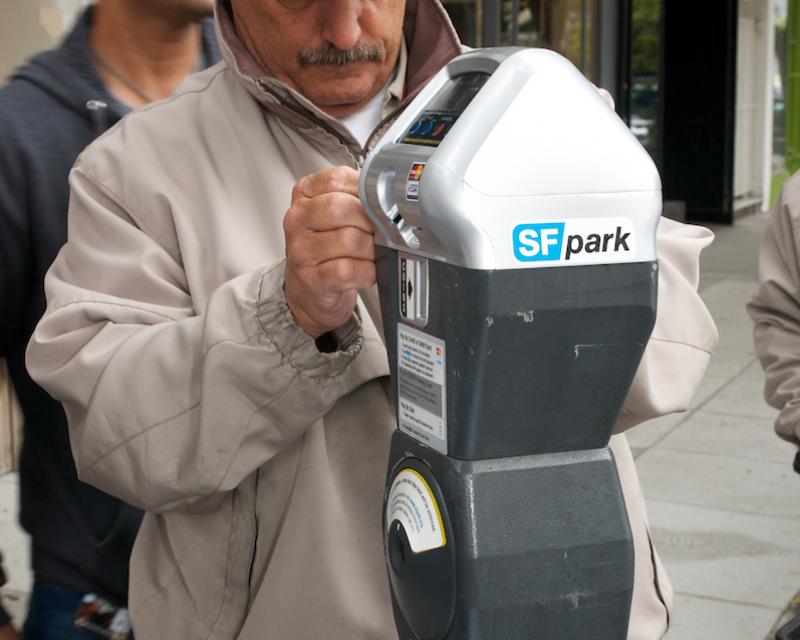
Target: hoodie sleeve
[166,403]
[684,335]
[775,310]
[15,249]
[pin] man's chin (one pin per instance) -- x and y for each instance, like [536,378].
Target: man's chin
[340,86]
[340,103]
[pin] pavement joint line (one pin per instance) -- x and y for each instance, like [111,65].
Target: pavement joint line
[752,416]
[729,275]
[741,512]
[740,603]
[734,456]
[722,455]
[693,410]
[726,414]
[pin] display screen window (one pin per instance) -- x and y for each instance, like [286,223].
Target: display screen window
[433,124]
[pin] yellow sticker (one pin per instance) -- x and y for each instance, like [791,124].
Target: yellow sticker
[411,502]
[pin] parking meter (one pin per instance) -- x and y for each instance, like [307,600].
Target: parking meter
[516,219]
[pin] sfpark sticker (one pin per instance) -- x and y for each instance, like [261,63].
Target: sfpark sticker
[578,241]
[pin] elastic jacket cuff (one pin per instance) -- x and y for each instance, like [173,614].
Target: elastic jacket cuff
[296,347]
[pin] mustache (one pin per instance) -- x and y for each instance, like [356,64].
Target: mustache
[331,55]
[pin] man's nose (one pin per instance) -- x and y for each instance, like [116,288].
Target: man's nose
[341,23]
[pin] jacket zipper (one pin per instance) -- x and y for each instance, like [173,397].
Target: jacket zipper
[255,539]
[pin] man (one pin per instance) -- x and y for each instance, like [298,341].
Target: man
[121,54]
[213,329]
[775,309]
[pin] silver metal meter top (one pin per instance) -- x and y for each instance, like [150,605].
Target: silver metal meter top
[481,171]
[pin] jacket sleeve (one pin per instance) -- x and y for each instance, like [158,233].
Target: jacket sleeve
[684,334]
[166,403]
[775,310]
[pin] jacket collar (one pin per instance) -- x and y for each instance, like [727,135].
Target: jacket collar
[430,42]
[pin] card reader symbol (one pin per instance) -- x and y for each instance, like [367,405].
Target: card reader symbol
[416,171]
[412,182]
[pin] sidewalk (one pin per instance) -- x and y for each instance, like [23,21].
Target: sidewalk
[723,501]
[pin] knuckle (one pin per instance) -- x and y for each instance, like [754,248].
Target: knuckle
[331,183]
[340,174]
[351,240]
[290,221]
[298,188]
[345,270]
[297,216]
[342,207]
[338,202]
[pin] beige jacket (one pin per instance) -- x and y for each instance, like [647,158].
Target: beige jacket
[191,393]
[775,310]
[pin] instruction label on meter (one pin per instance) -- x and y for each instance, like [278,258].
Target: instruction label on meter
[411,502]
[421,390]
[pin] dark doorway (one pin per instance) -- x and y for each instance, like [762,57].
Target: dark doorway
[699,97]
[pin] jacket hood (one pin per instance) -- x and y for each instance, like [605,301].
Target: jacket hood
[430,38]
[68,74]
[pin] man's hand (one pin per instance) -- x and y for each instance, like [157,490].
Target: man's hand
[330,250]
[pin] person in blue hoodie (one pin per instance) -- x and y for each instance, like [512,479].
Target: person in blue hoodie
[120,55]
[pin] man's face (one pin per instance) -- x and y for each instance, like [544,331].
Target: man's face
[337,53]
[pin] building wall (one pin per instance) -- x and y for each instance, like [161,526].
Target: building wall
[753,148]
[28,26]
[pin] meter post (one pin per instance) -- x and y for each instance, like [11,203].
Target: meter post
[517,270]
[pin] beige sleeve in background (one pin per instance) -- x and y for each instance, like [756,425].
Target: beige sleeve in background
[775,310]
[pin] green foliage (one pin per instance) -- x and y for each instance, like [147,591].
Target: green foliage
[645,37]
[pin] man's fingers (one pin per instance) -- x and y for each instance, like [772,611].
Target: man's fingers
[347,242]
[341,179]
[344,274]
[327,212]
[329,249]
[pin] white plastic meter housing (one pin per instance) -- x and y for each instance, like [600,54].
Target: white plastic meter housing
[509,158]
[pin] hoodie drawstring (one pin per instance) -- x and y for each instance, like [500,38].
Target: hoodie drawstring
[98,112]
